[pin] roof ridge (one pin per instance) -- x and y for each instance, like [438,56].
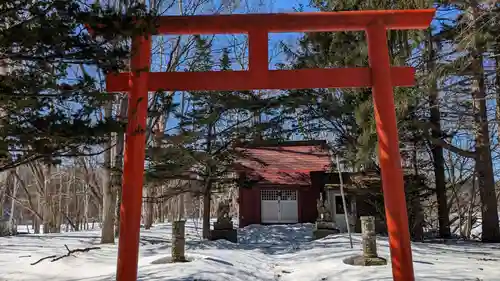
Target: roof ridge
[278,143]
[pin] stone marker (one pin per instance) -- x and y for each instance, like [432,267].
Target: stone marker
[223,227]
[369,244]
[178,241]
[324,224]
[369,237]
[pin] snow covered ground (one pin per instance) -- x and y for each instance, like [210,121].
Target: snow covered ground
[278,253]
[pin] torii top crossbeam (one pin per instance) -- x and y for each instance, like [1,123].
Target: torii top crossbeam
[257,26]
[380,76]
[294,22]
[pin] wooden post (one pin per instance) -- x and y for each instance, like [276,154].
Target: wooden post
[346,213]
[178,241]
[133,168]
[380,76]
[389,156]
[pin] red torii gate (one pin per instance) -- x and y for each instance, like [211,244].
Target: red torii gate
[380,76]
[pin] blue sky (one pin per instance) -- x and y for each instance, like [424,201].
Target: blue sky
[291,38]
[278,6]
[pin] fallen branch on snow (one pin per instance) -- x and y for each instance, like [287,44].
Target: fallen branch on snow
[42,259]
[56,258]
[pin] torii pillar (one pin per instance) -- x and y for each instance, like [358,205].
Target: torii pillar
[380,76]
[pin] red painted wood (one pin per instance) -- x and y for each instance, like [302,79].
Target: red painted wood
[133,167]
[273,79]
[256,206]
[294,22]
[300,206]
[380,76]
[308,202]
[242,211]
[285,166]
[389,155]
[258,53]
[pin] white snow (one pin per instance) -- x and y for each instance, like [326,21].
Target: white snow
[278,253]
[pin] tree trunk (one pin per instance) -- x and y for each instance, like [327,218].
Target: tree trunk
[417,230]
[12,224]
[161,206]
[484,165]
[207,195]
[46,199]
[60,200]
[497,84]
[76,208]
[149,207]
[206,209]
[108,194]
[118,170]
[86,208]
[180,206]
[108,222]
[36,219]
[68,199]
[437,151]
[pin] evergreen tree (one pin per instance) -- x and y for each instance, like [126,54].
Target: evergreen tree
[203,149]
[347,114]
[452,58]
[468,38]
[431,79]
[48,111]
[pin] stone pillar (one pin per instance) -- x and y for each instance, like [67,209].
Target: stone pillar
[178,241]
[369,242]
[369,237]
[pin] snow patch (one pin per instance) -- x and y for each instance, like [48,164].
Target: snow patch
[277,253]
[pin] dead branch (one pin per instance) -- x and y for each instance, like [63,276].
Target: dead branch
[56,258]
[42,259]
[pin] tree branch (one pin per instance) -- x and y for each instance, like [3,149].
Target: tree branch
[56,258]
[442,143]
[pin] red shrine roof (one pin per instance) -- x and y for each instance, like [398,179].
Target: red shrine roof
[287,163]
